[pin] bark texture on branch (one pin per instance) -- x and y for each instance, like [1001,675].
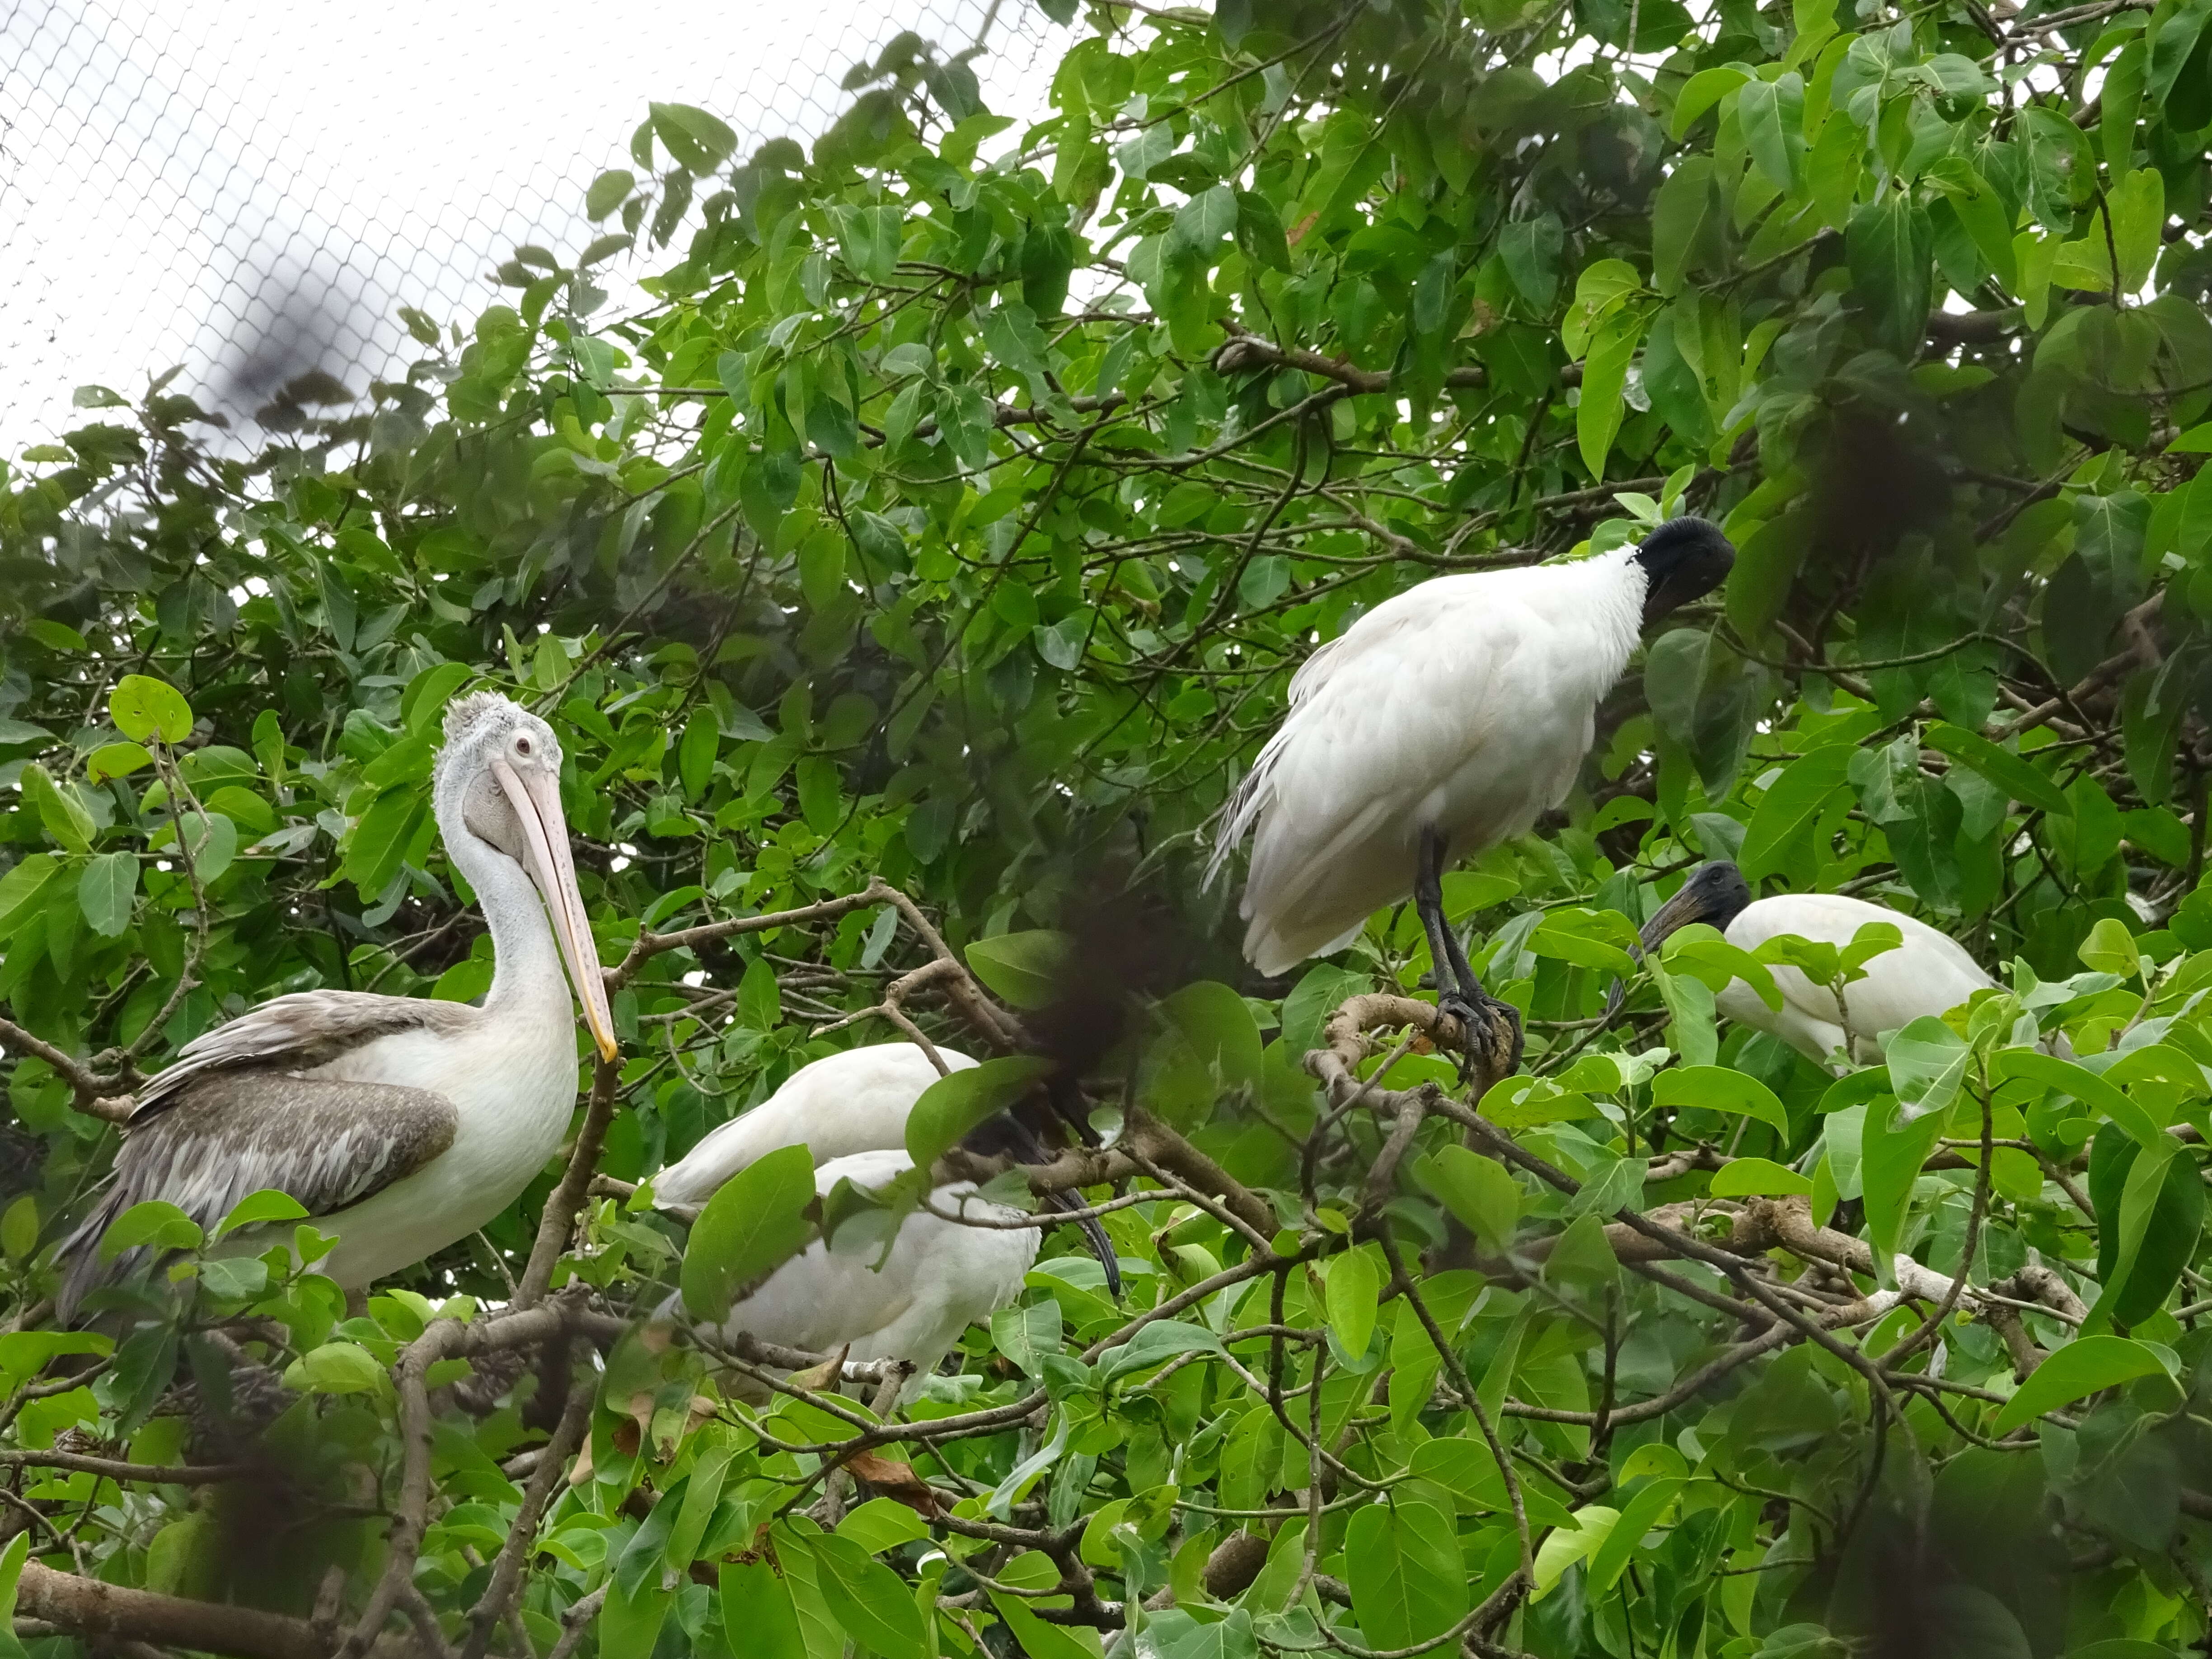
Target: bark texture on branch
[102,1612]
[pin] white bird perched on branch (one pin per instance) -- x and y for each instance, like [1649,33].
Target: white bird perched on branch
[401,1124]
[855,1101]
[1930,973]
[908,1301]
[849,1110]
[1443,722]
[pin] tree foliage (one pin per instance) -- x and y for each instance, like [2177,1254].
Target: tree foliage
[908,579]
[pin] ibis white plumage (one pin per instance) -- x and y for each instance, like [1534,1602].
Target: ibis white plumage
[1930,973]
[1443,722]
[854,1101]
[849,1110]
[401,1124]
[909,1302]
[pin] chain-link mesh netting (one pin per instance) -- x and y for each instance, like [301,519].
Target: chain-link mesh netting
[251,191]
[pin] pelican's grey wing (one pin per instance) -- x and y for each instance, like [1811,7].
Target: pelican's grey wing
[298,1033]
[224,1135]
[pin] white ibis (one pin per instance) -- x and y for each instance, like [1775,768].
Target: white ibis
[1443,722]
[849,1110]
[854,1101]
[1930,973]
[400,1123]
[910,1303]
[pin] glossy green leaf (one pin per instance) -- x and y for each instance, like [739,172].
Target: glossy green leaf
[2076,1370]
[1409,1583]
[759,1217]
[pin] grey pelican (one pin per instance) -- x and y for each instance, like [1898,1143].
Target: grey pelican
[849,1110]
[1440,723]
[401,1124]
[1930,973]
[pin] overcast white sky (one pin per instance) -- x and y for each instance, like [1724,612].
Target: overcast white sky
[186,180]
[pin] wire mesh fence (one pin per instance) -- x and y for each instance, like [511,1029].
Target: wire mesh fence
[252,191]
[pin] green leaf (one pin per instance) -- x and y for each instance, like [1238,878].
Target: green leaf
[1035,1637]
[2178,51]
[1201,223]
[1701,92]
[156,1224]
[608,191]
[380,840]
[1025,1333]
[2022,782]
[1927,1064]
[1605,376]
[1743,1176]
[867,1598]
[265,1206]
[2150,1205]
[760,998]
[1685,211]
[337,1368]
[695,138]
[2110,949]
[695,755]
[1891,1150]
[757,1606]
[116,760]
[19,1228]
[1402,1562]
[105,891]
[758,1219]
[12,1556]
[22,890]
[143,708]
[1219,1028]
[2086,1365]
[1774,117]
[1642,1512]
[1890,248]
[630,1620]
[1153,1346]
[955,1104]
[1023,967]
[1716,1089]
[1790,806]
[1480,1191]
[1351,1289]
[66,821]
[2137,205]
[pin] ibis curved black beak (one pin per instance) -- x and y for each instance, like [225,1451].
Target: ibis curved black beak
[1006,1136]
[1716,894]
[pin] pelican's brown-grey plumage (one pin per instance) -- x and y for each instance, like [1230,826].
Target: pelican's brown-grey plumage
[401,1124]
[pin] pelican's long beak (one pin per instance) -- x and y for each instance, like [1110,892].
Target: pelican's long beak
[536,801]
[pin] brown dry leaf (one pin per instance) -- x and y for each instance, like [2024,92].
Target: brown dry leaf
[824,1375]
[895,1481]
[1301,228]
[580,1471]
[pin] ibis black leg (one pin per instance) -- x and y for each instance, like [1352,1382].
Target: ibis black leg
[1493,1027]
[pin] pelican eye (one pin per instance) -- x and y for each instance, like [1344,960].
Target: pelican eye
[522,745]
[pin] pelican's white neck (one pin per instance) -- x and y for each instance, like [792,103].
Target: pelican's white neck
[526,971]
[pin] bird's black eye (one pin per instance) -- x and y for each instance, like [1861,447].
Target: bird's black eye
[522,745]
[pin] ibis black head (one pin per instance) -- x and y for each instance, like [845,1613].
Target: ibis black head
[1683,559]
[1715,894]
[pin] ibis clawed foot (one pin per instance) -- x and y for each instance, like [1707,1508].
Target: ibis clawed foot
[1490,1029]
